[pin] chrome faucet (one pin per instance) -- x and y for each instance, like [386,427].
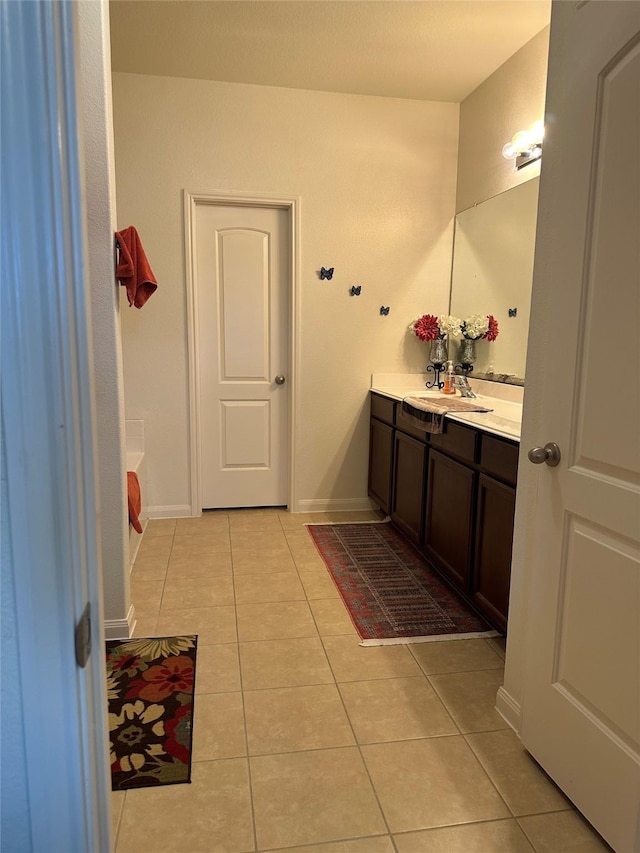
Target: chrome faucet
[462,383]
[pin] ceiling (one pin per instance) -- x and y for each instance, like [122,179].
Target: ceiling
[438,50]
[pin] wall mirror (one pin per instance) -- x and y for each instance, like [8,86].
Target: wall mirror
[492,274]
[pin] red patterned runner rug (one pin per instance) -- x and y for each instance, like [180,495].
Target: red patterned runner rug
[150,685]
[392,593]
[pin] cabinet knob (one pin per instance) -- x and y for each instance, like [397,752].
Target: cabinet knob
[550,454]
[279,379]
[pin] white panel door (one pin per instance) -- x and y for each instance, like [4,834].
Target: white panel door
[241,279]
[581,708]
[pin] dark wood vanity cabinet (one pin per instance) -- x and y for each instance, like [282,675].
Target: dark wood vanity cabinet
[450,506]
[380,461]
[381,451]
[469,515]
[495,513]
[397,458]
[407,489]
[453,495]
[449,517]
[492,558]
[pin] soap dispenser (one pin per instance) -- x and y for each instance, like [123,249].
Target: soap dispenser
[449,384]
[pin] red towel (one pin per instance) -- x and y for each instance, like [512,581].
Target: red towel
[133,268]
[135,501]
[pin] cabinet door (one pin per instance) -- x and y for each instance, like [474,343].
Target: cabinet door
[449,517]
[408,485]
[494,537]
[380,461]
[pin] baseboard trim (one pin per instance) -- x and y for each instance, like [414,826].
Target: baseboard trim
[321,505]
[334,505]
[178,511]
[120,629]
[509,709]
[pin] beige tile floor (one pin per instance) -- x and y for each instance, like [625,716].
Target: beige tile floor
[306,741]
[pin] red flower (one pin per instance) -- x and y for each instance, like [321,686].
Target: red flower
[427,328]
[175,675]
[492,332]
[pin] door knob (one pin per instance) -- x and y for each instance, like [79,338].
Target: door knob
[550,454]
[279,379]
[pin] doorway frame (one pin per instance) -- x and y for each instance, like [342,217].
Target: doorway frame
[291,205]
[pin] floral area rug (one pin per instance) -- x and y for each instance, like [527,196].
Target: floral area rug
[150,685]
[392,593]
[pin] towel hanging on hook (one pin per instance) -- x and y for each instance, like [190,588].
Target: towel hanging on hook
[133,269]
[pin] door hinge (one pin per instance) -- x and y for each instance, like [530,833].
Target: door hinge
[83,637]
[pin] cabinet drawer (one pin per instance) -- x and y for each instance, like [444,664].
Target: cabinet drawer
[383,408]
[500,458]
[457,441]
[405,425]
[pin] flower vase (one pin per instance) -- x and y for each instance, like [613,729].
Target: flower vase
[467,354]
[438,352]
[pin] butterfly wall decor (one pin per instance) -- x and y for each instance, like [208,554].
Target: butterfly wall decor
[384,311]
[513,312]
[356,290]
[326,273]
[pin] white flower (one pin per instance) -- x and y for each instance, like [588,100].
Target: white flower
[156,647]
[450,326]
[475,326]
[113,688]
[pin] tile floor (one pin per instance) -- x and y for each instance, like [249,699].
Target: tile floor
[304,740]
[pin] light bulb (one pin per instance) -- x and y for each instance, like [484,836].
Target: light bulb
[521,141]
[537,132]
[509,152]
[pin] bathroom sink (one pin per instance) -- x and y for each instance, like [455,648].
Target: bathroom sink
[505,417]
[506,424]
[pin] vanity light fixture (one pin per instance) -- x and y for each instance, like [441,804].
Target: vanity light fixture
[526,146]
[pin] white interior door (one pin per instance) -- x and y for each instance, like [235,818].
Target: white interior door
[581,708]
[54,761]
[241,278]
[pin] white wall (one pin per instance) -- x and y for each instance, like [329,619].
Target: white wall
[511,99]
[376,177]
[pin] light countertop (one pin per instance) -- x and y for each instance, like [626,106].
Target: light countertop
[505,401]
